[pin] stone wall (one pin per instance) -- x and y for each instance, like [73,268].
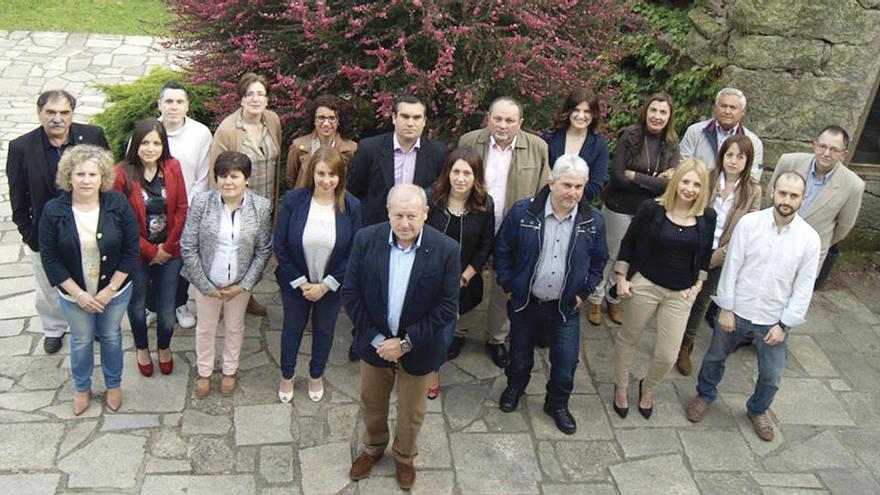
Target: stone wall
[802,64]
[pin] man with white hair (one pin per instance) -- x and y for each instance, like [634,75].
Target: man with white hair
[703,139]
[549,256]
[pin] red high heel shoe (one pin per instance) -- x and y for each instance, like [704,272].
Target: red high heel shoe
[145,369]
[167,367]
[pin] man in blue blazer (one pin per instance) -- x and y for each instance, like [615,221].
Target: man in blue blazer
[403,156]
[31,166]
[400,290]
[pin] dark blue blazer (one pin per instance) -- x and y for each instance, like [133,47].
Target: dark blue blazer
[594,151]
[289,233]
[118,239]
[371,174]
[430,305]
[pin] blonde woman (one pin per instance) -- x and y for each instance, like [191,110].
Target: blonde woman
[663,261]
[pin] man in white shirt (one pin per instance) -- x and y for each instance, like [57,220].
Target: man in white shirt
[190,142]
[703,139]
[765,287]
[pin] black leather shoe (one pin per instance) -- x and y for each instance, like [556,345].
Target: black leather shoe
[563,419]
[509,399]
[52,344]
[644,411]
[352,354]
[499,354]
[454,348]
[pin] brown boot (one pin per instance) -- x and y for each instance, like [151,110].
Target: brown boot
[203,387]
[227,385]
[406,475]
[362,466]
[594,313]
[683,364]
[614,312]
[255,308]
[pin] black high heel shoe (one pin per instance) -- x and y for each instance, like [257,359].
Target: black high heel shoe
[644,411]
[621,411]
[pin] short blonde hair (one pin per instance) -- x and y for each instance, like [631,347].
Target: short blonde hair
[669,196]
[80,154]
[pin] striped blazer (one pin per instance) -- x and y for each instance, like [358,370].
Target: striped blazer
[199,240]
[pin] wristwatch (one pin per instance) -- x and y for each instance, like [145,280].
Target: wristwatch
[405,345]
[783,326]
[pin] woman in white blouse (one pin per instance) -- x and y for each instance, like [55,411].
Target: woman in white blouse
[225,245]
[313,238]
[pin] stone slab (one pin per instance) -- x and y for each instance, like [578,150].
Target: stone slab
[156,465]
[807,401]
[850,482]
[793,480]
[26,401]
[433,444]
[116,422]
[586,461]
[462,403]
[638,477]
[640,442]
[110,461]
[30,484]
[76,435]
[490,463]
[717,451]
[824,451]
[156,394]
[163,484]
[199,423]
[325,468]
[29,446]
[276,463]
[263,424]
[810,356]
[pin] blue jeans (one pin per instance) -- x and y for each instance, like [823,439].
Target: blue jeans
[84,326]
[296,313]
[161,280]
[525,327]
[771,363]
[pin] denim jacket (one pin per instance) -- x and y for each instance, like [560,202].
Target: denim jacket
[518,250]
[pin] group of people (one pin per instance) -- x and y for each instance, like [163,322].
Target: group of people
[404,234]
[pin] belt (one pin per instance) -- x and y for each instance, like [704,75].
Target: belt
[540,302]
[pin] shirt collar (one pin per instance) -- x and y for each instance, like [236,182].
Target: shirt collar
[178,130]
[393,243]
[493,144]
[239,118]
[396,144]
[48,145]
[548,210]
[823,180]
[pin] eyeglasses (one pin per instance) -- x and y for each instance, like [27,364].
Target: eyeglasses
[822,148]
[326,118]
[252,95]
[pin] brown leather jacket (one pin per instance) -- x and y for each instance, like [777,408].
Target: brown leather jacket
[300,152]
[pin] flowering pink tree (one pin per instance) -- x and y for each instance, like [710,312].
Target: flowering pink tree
[458,55]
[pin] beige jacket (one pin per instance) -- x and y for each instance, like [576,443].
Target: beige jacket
[228,138]
[753,203]
[833,213]
[529,168]
[300,152]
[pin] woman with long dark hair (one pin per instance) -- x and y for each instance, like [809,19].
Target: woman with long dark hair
[462,209]
[644,160]
[153,183]
[732,193]
[329,128]
[574,133]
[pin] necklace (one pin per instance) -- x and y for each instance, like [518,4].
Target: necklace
[653,165]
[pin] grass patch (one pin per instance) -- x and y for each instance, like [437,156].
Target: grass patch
[142,17]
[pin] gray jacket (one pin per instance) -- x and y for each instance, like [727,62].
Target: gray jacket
[199,240]
[700,141]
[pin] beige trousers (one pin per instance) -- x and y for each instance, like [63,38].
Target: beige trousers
[672,308]
[208,317]
[412,404]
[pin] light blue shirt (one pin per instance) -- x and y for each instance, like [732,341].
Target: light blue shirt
[550,274]
[400,263]
[815,185]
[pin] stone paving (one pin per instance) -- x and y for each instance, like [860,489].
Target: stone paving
[164,441]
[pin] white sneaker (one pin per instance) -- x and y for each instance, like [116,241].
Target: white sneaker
[151,317]
[184,318]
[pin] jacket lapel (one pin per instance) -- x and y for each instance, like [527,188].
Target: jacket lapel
[384,251]
[422,255]
[830,191]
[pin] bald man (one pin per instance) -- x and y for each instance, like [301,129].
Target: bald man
[400,290]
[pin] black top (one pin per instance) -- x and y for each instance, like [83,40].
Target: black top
[155,203]
[640,245]
[671,265]
[475,235]
[647,155]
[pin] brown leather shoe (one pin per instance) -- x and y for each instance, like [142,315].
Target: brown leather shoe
[594,313]
[362,466]
[763,427]
[406,475]
[255,308]
[615,313]
[683,363]
[227,385]
[696,409]
[203,387]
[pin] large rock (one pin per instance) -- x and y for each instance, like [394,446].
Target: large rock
[832,20]
[775,52]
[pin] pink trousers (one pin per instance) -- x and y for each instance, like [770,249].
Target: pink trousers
[208,313]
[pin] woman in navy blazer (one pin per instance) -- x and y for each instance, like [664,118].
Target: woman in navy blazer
[89,246]
[313,239]
[574,132]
